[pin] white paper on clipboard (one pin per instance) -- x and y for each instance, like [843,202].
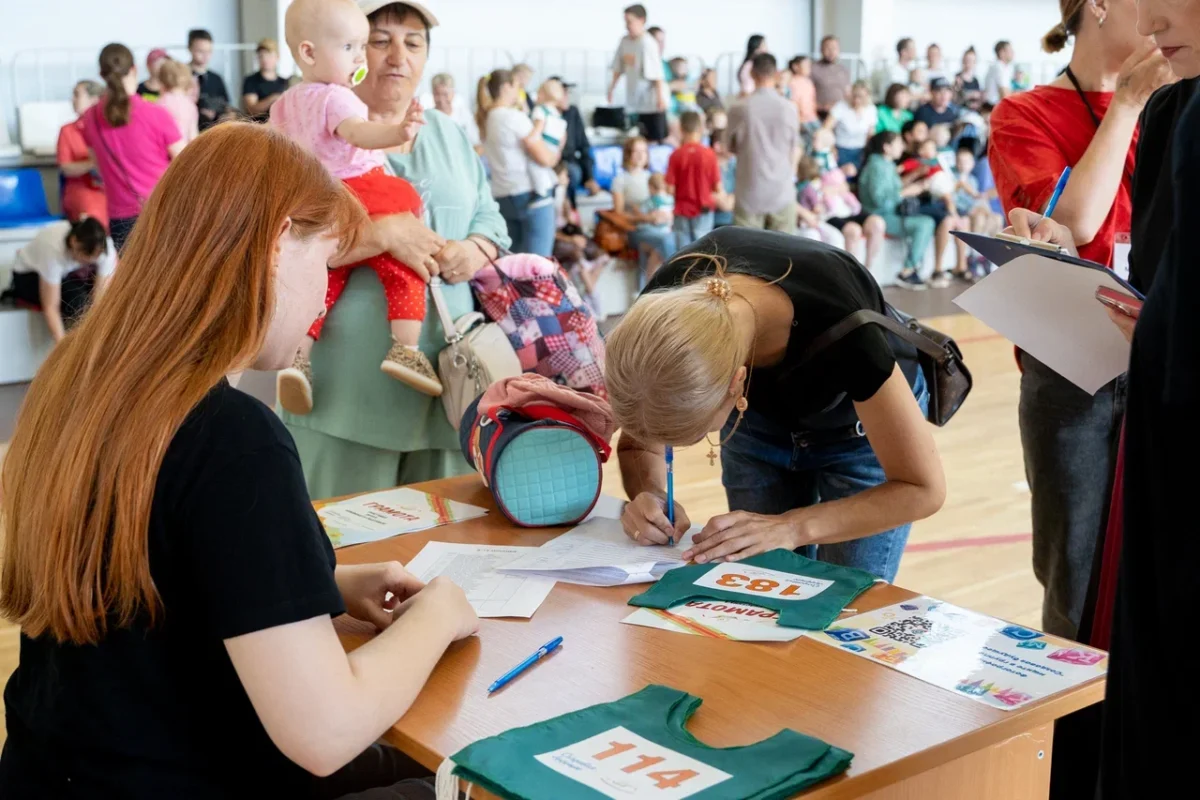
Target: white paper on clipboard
[1048,308]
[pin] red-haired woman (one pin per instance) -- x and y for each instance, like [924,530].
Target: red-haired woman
[172,582]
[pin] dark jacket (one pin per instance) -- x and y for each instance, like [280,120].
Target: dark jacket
[578,149]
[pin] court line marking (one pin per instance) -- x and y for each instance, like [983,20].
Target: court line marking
[973,541]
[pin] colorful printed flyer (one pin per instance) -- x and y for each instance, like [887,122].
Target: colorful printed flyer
[993,662]
[381,515]
[717,619]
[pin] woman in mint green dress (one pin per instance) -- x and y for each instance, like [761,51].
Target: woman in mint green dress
[366,430]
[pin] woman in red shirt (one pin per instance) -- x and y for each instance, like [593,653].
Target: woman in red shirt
[1086,119]
[83,192]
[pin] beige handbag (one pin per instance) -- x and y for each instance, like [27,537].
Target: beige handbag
[477,355]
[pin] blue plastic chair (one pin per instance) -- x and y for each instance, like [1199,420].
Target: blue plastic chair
[23,199]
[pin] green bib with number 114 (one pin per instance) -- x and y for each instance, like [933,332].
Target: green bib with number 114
[806,593]
[638,748]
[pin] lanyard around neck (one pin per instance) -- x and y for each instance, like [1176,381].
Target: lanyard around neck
[1070,73]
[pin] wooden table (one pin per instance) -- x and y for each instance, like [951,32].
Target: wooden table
[909,739]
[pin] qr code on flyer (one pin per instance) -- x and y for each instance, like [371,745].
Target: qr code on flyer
[917,632]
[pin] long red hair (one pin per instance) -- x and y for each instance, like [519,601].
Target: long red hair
[190,302]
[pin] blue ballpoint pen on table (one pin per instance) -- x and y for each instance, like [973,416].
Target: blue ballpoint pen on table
[671,494]
[542,652]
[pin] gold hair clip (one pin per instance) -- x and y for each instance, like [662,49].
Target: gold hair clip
[720,288]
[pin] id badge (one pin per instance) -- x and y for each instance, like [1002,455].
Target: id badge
[1121,248]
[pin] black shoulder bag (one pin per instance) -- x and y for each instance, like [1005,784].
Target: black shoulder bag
[938,355]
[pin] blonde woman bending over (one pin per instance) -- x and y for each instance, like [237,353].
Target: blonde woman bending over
[831,457]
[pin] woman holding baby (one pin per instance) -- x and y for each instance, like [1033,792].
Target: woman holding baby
[367,431]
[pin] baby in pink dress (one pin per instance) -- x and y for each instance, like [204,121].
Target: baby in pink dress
[328,39]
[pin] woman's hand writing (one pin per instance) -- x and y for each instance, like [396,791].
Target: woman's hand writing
[645,519]
[449,604]
[411,242]
[1037,228]
[372,592]
[741,534]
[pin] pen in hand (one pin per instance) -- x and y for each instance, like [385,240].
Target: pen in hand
[671,494]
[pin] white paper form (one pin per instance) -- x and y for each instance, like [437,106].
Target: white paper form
[473,568]
[1049,309]
[598,553]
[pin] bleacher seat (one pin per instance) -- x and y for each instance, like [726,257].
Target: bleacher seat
[23,199]
[40,124]
[608,158]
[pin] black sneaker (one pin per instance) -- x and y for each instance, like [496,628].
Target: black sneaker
[909,279]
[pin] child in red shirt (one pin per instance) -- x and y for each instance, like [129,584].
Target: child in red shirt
[694,178]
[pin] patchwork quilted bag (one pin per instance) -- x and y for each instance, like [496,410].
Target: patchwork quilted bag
[541,463]
[549,325]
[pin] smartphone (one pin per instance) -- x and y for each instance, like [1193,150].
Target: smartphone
[1127,305]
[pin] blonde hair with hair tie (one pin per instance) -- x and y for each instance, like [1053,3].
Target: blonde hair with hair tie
[672,359]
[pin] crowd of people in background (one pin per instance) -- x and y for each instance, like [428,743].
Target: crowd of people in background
[801,147]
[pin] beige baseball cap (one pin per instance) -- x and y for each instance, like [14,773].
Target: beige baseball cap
[369,7]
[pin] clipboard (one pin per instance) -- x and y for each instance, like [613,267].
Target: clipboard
[1045,304]
[1002,251]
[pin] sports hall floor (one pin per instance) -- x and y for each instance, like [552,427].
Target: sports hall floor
[974,553]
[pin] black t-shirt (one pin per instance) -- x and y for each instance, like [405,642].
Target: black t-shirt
[213,96]
[1159,548]
[145,92]
[1152,193]
[262,88]
[931,116]
[825,285]
[235,547]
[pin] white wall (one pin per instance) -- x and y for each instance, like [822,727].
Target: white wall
[958,24]
[701,27]
[85,24]
[577,39]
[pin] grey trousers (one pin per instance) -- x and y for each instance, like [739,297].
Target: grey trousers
[1070,445]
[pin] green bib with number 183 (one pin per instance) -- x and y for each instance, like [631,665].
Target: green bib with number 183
[638,748]
[806,593]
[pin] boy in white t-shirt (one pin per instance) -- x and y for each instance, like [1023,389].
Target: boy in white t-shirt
[639,61]
[64,250]
[999,82]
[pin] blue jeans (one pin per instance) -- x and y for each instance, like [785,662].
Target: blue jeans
[850,155]
[531,227]
[767,469]
[119,230]
[574,181]
[689,229]
[658,237]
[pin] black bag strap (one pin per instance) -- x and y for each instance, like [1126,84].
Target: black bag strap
[860,318]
